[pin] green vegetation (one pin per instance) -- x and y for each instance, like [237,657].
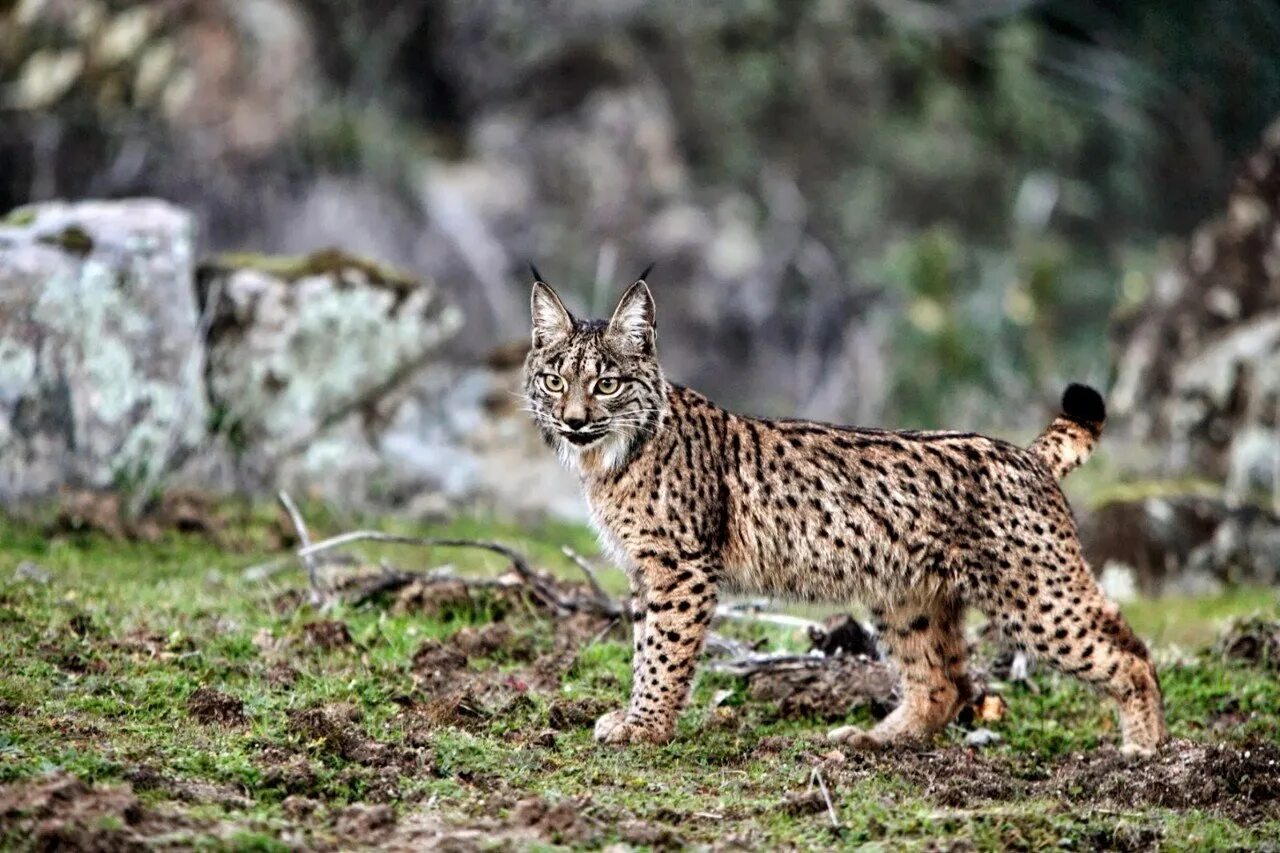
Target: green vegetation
[244,719]
[322,262]
[73,238]
[19,217]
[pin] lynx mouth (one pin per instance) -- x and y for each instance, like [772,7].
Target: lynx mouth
[582,439]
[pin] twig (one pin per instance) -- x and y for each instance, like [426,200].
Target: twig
[606,601]
[718,644]
[751,663]
[393,579]
[826,795]
[304,536]
[747,613]
[518,561]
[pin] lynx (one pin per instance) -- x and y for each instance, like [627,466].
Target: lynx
[692,499]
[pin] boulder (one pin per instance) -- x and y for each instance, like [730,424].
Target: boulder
[462,438]
[101,356]
[1199,370]
[308,358]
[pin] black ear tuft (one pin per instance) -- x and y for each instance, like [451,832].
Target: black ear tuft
[537,276]
[645,275]
[1084,405]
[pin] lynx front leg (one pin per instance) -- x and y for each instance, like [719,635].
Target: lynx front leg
[678,604]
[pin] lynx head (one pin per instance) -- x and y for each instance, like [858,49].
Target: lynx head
[594,386]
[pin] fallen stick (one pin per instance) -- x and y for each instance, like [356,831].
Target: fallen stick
[750,614]
[607,601]
[304,536]
[518,561]
[826,795]
[750,664]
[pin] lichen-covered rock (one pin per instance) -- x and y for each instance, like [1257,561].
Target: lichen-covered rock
[461,437]
[100,356]
[305,357]
[1200,368]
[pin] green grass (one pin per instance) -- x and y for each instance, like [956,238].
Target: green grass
[100,662]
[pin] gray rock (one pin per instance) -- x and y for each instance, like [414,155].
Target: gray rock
[29,571]
[462,438]
[308,359]
[1199,373]
[100,356]
[982,737]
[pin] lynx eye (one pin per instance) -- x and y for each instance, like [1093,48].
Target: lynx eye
[607,385]
[553,383]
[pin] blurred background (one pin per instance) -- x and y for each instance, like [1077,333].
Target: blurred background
[273,243]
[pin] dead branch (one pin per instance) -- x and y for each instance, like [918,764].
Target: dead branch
[607,602]
[826,795]
[747,612]
[744,665]
[304,537]
[537,584]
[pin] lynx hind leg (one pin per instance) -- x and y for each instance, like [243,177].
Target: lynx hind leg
[1062,618]
[927,644]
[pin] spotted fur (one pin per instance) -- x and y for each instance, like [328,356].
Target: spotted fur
[693,499]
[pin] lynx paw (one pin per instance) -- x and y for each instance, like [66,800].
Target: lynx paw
[856,738]
[1134,751]
[615,728]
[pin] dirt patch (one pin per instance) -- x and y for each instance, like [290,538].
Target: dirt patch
[188,790]
[326,634]
[334,729]
[60,812]
[213,707]
[145,643]
[439,599]
[285,770]
[444,667]
[1241,781]
[570,822]
[955,777]
[281,675]
[560,822]
[577,630]
[567,714]
[299,807]
[496,639]
[828,689]
[364,823]
[461,708]
[435,664]
[1238,780]
[72,660]
[178,510]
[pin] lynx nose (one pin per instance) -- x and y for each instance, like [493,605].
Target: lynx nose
[575,421]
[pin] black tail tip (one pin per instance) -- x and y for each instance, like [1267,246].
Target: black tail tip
[1083,404]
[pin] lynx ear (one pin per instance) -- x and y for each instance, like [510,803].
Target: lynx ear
[632,326]
[551,320]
